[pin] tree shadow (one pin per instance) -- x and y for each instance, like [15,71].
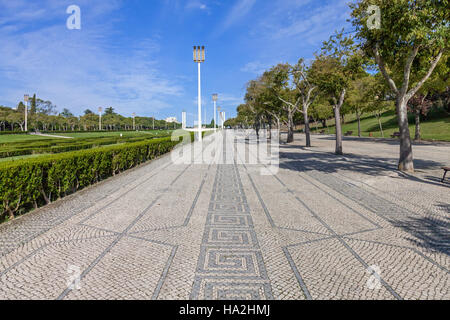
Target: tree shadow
[431,233]
[428,233]
[389,141]
[328,162]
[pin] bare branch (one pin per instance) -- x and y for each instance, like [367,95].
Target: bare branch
[379,60]
[286,102]
[407,70]
[413,91]
[341,99]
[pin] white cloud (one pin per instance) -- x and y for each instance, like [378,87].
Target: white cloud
[78,70]
[256,67]
[311,25]
[237,13]
[228,100]
[196,4]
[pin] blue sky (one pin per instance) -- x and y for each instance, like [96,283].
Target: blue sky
[136,55]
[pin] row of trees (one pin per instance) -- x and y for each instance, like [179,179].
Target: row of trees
[43,116]
[404,64]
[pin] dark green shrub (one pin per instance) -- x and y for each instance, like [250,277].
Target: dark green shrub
[14,149]
[30,183]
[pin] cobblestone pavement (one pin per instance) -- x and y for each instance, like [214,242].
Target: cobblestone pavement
[323,227]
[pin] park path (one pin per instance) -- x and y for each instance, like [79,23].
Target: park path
[323,227]
[50,135]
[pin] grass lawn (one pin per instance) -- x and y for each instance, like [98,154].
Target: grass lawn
[22,157]
[22,145]
[437,128]
[125,134]
[5,138]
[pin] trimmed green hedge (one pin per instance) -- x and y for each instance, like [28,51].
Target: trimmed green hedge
[41,146]
[12,132]
[31,183]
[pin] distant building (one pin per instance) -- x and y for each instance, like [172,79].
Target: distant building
[172,120]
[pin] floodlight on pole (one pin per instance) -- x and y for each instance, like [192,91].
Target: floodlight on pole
[26,98]
[199,58]
[100,110]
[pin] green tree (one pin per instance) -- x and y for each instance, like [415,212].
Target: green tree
[16,117]
[333,70]
[321,110]
[66,113]
[283,83]
[33,105]
[306,88]
[109,111]
[407,48]
[45,107]
[357,98]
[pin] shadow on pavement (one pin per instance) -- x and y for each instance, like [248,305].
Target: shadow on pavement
[429,233]
[328,162]
[389,141]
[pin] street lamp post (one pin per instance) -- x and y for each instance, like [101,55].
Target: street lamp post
[100,110]
[134,121]
[183,120]
[26,98]
[199,57]
[218,110]
[215,97]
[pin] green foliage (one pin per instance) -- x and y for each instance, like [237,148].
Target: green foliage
[339,63]
[404,25]
[30,183]
[43,146]
[412,36]
[435,127]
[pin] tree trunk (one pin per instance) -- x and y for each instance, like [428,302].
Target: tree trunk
[358,116]
[279,129]
[380,125]
[337,116]
[417,135]
[257,130]
[307,131]
[270,128]
[315,124]
[406,162]
[290,137]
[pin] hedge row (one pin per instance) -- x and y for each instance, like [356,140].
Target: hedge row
[58,145]
[12,132]
[31,183]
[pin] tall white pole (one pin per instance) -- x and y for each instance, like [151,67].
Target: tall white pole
[199,105]
[100,110]
[215,124]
